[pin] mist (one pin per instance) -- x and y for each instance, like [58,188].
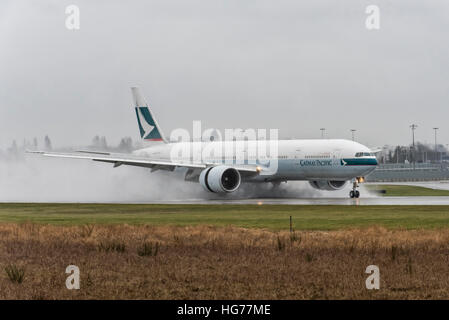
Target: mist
[39,179]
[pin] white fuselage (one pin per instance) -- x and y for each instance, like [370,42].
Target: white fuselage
[323,159]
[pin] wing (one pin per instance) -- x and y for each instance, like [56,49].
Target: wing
[118,159]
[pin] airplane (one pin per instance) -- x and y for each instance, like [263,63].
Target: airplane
[327,164]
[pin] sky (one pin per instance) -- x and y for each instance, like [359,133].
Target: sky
[296,66]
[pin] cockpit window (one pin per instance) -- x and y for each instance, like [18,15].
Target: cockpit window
[364,154]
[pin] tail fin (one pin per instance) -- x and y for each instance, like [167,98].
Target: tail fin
[148,126]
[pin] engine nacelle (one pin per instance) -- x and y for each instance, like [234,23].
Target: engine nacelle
[220,179]
[327,185]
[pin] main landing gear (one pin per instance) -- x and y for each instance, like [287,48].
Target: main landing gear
[354,193]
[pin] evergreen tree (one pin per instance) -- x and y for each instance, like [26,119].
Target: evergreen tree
[47,143]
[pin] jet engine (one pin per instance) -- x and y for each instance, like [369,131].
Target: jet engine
[327,185]
[220,179]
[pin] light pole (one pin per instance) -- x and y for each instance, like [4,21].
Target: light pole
[413,127]
[353,132]
[436,153]
[322,132]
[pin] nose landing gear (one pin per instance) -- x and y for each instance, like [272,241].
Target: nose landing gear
[354,193]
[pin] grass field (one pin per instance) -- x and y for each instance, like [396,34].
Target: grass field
[393,190]
[202,262]
[137,251]
[273,217]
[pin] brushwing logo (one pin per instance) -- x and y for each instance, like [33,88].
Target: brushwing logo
[145,126]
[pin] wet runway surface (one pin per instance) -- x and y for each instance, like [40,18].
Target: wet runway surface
[436,200]
[298,196]
[321,201]
[367,198]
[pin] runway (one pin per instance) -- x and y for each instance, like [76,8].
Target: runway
[334,198]
[368,201]
[319,201]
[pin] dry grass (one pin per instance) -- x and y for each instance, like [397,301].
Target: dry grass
[201,262]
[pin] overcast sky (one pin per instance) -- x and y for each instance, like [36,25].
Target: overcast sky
[292,65]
